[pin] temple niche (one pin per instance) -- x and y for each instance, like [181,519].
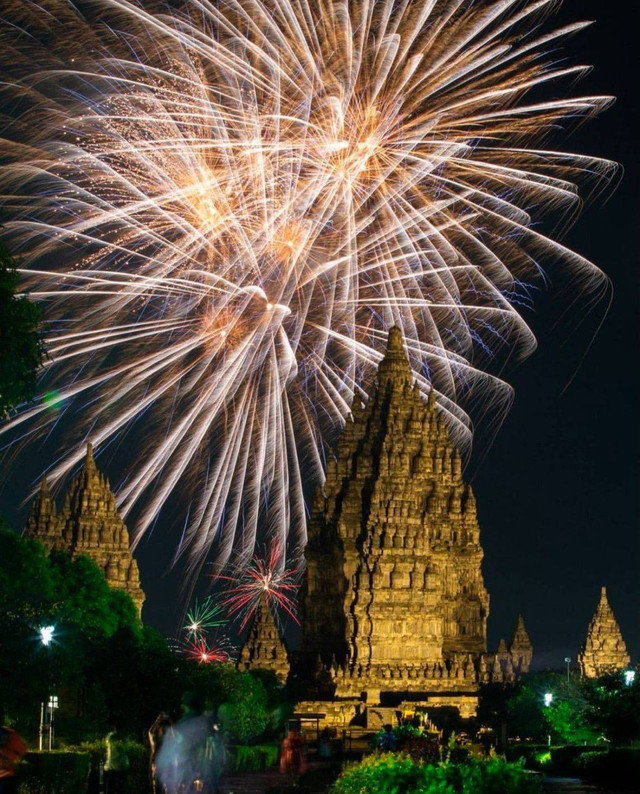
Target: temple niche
[603,651]
[88,523]
[394,604]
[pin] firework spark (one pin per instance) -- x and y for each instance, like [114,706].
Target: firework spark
[263,584]
[204,651]
[202,617]
[224,207]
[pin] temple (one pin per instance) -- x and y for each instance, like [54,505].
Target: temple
[89,523]
[603,650]
[263,647]
[394,603]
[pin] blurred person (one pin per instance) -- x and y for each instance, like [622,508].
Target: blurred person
[161,727]
[12,749]
[116,766]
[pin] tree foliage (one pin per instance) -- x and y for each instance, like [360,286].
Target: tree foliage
[582,710]
[21,344]
[118,670]
[38,590]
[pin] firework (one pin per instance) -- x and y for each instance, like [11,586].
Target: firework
[204,651]
[262,584]
[202,617]
[224,207]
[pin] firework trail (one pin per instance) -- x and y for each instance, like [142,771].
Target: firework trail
[202,617]
[225,205]
[204,651]
[264,583]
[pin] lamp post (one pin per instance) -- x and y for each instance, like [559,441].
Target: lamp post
[46,638]
[548,698]
[629,677]
[567,661]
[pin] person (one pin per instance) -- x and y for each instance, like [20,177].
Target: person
[324,744]
[162,727]
[117,763]
[12,748]
[292,758]
[387,740]
[215,760]
[180,762]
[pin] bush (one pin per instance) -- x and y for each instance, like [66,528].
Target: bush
[137,779]
[528,754]
[54,773]
[619,767]
[392,773]
[253,758]
[563,759]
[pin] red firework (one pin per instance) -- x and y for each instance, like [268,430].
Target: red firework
[204,652]
[263,578]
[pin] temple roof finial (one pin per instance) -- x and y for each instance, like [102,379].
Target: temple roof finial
[395,362]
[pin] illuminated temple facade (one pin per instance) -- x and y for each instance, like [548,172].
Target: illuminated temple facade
[603,650]
[88,523]
[394,606]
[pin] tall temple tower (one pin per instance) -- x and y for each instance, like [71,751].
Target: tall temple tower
[89,523]
[604,650]
[263,647]
[394,600]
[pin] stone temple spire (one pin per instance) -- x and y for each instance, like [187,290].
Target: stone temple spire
[263,647]
[42,523]
[603,650]
[520,647]
[89,523]
[393,587]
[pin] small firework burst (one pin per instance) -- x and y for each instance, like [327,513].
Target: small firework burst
[202,617]
[264,578]
[205,650]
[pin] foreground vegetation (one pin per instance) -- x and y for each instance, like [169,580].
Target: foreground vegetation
[105,666]
[391,773]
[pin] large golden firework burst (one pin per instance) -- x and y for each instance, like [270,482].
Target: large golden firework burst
[225,206]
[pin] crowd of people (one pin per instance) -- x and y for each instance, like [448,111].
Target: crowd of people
[186,756]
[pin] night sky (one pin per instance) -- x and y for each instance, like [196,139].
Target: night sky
[557,491]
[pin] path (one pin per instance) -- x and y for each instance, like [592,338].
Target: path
[570,785]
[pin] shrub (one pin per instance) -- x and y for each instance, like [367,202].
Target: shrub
[54,773]
[494,776]
[528,754]
[619,766]
[563,759]
[137,779]
[393,773]
[253,758]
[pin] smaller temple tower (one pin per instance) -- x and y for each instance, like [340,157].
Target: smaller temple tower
[520,648]
[263,647]
[603,650]
[89,523]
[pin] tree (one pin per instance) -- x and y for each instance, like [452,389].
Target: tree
[70,594]
[613,707]
[20,341]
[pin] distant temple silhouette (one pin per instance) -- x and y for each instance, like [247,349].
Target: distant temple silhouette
[394,605]
[603,650]
[89,523]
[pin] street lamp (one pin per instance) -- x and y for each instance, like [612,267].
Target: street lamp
[46,635]
[567,661]
[548,697]
[629,677]
[46,638]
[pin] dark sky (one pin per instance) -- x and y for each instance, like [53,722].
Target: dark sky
[558,491]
